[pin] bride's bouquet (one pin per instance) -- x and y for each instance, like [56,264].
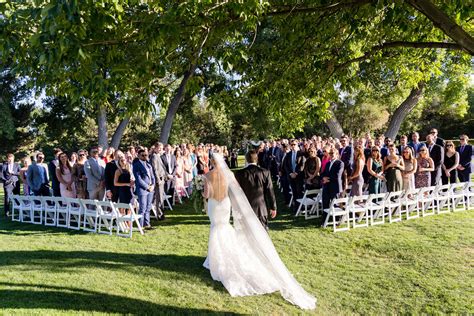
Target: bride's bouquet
[196,195]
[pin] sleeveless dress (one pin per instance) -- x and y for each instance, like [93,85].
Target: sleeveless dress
[179,181]
[67,176]
[423,179]
[449,163]
[125,193]
[408,179]
[358,183]
[394,178]
[374,182]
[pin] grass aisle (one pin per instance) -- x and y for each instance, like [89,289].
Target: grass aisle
[420,266]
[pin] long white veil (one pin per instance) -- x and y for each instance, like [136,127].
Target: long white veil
[254,237]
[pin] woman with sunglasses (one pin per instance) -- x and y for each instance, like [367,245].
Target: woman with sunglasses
[312,168]
[425,166]
[356,177]
[65,176]
[374,168]
[79,175]
[451,162]
[410,168]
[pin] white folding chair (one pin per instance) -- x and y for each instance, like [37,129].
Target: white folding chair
[36,210]
[359,211]
[338,215]
[62,212]
[306,201]
[75,212]
[409,204]
[125,221]
[107,217]
[376,208]
[443,198]
[16,206]
[315,210]
[166,201]
[393,206]
[26,215]
[458,196]
[89,220]
[427,201]
[50,210]
[470,194]
[291,198]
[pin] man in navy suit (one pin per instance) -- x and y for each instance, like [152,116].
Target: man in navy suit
[9,177]
[144,186]
[437,154]
[465,156]
[274,157]
[293,166]
[332,179]
[346,152]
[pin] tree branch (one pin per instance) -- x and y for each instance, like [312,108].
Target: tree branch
[334,6]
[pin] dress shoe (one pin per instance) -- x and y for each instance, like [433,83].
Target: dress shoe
[161,218]
[149,227]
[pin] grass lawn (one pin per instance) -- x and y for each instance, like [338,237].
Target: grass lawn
[419,266]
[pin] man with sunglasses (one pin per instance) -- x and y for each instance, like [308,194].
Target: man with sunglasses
[37,175]
[332,179]
[293,168]
[437,140]
[465,156]
[94,169]
[437,154]
[144,186]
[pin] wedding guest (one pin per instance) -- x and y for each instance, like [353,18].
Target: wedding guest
[437,140]
[194,161]
[79,175]
[179,173]
[408,173]
[312,169]
[123,178]
[225,155]
[293,165]
[425,166]
[450,164]
[10,178]
[274,156]
[375,170]
[65,177]
[169,161]
[188,169]
[465,156]
[392,167]
[26,162]
[262,153]
[346,154]
[94,169]
[332,179]
[367,154]
[325,158]
[52,166]
[131,154]
[436,153]
[111,191]
[384,150]
[144,186]
[37,176]
[403,144]
[415,143]
[356,177]
[109,155]
[73,158]
[285,184]
[233,159]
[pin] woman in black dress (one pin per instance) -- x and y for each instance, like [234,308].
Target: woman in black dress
[451,162]
[124,179]
[312,168]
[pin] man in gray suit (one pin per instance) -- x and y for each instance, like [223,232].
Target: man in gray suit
[161,177]
[94,169]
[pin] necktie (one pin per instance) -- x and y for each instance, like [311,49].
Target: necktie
[293,159]
[462,149]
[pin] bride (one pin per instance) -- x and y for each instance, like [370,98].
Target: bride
[242,256]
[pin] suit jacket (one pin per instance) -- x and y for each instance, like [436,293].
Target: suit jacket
[256,182]
[437,154]
[53,164]
[465,156]
[274,156]
[10,178]
[36,175]
[158,168]
[416,147]
[109,176]
[144,177]
[171,167]
[347,157]
[262,155]
[400,149]
[440,141]
[334,173]
[94,172]
[288,167]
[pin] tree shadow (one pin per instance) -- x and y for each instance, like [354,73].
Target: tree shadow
[36,296]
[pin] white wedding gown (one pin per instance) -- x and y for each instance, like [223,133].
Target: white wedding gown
[242,256]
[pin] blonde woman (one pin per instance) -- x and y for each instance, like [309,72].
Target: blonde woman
[410,168]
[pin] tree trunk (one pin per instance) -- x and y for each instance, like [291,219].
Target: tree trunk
[174,105]
[403,110]
[102,126]
[445,23]
[333,124]
[117,137]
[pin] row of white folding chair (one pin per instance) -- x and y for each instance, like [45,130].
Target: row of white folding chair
[310,204]
[90,215]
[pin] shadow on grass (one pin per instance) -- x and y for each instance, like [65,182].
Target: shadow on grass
[35,296]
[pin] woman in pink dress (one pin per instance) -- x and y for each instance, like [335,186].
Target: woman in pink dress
[67,186]
[188,168]
[179,176]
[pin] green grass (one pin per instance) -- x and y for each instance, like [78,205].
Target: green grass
[419,266]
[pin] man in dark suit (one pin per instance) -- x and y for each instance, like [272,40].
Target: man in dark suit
[262,154]
[111,191]
[169,161]
[403,145]
[437,154]
[160,177]
[273,159]
[257,185]
[332,179]
[437,140]
[53,164]
[10,178]
[293,166]
[346,154]
[465,156]
[144,186]
[285,184]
